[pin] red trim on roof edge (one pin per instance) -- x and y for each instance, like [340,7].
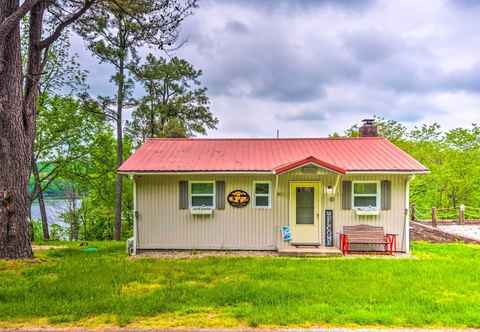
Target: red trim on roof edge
[309,160]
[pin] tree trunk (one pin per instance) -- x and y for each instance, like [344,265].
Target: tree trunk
[73,214]
[119,179]
[16,139]
[152,114]
[18,107]
[41,200]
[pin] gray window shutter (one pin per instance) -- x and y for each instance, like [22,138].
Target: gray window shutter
[183,195]
[346,195]
[220,194]
[386,194]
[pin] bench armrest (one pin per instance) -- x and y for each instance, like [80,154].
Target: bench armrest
[392,241]
[344,243]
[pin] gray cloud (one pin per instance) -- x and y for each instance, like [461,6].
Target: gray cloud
[262,59]
[465,80]
[236,27]
[371,45]
[301,5]
[305,115]
[465,3]
[294,64]
[255,62]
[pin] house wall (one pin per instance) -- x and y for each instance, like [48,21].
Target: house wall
[162,225]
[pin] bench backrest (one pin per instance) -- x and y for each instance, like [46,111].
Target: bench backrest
[364,233]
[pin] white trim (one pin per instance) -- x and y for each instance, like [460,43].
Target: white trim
[135,232]
[191,194]
[378,195]
[407,214]
[269,195]
[276,186]
[307,164]
[292,184]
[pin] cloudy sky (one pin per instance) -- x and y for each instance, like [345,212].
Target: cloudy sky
[309,68]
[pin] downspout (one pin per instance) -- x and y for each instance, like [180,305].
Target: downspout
[407,214]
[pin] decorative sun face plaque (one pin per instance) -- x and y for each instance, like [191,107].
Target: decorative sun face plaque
[238,198]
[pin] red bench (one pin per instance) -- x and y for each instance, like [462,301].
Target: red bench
[369,235]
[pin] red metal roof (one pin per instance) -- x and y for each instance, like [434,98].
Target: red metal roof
[341,155]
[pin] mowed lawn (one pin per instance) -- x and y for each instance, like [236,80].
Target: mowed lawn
[440,286]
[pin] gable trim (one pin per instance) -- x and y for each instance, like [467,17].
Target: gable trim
[308,161]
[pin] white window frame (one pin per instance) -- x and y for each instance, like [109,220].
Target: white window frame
[366,195]
[269,195]
[191,194]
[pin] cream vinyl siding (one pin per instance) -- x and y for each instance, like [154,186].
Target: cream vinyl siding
[162,225]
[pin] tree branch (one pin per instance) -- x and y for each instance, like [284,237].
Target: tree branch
[59,29]
[11,21]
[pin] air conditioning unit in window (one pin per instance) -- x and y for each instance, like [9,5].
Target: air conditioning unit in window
[366,211]
[201,210]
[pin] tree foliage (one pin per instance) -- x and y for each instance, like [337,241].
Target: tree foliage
[67,130]
[114,32]
[96,181]
[82,157]
[62,75]
[175,105]
[452,156]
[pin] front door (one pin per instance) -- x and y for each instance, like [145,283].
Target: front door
[304,212]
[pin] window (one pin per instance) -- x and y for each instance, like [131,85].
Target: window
[262,194]
[305,205]
[202,194]
[366,195]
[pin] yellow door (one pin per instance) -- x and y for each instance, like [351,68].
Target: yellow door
[305,212]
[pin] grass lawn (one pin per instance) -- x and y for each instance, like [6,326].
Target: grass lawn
[67,287]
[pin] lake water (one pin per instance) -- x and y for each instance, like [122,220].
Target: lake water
[54,207]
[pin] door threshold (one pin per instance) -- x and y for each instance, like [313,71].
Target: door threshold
[306,244]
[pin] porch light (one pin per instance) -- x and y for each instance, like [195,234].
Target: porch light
[329,190]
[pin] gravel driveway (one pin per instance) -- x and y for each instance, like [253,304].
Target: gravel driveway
[470,231]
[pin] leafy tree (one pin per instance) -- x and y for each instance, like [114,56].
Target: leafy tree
[114,32]
[97,183]
[453,158]
[19,91]
[174,128]
[62,75]
[176,103]
[391,129]
[66,130]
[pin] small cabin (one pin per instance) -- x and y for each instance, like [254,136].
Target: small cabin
[267,194]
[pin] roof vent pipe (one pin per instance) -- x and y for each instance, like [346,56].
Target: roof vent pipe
[368,129]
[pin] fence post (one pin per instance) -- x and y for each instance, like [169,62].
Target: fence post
[461,215]
[413,212]
[434,216]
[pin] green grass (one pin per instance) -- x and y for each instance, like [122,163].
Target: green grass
[67,287]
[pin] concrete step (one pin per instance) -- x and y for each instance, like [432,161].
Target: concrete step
[310,252]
